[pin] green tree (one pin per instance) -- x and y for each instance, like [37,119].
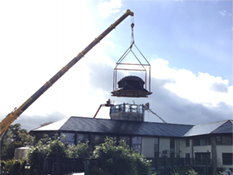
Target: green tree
[14,137]
[81,150]
[112,159]
[119,159]
[46,147]
[183,170]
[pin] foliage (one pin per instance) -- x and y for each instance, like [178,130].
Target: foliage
[56,149]
[114,160]
[221,173]
[46,147]
[14,137]
[13,166]
[36,156]
[81,150]
[191,172]
[181,171]
[8,165]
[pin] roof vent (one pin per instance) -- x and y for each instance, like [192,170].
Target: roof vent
[131,86]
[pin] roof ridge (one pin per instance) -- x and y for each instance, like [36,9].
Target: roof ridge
[133,121]
[222,121]
[223,124]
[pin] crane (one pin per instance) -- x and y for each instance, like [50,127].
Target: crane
[11,117]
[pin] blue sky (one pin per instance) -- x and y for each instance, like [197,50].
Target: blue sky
[188,43]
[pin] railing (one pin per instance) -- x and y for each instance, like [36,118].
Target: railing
[164,162]
[63,166]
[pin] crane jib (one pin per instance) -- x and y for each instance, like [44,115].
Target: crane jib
[6,123]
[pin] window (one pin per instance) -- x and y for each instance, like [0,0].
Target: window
[136,143]
[97,139]
[172,143]
[83,138]
[127,108]
[172,148]
[67,137]
[227,158]
[156,147]
[224,140]
[202,158]
[187,158]
[201,141]
[187,142]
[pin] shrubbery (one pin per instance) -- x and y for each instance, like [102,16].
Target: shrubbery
[13,167]
[113,159]
[116,159]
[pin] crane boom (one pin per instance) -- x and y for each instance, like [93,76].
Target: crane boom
[11,117]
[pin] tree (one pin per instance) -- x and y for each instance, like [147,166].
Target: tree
[54,149]
[14,137]
[119,159]
[81,150]
[112,159]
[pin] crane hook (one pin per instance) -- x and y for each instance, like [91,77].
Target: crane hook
[132,36]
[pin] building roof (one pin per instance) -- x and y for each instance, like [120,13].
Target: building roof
[110,126]
[93,125]
[221,127]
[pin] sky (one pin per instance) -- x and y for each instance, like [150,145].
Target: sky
[187,43]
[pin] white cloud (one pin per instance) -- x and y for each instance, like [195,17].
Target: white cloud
[112,7]
[202,88]
[223,13]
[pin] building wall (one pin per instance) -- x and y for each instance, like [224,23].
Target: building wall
[223,149]
[202,149]
[185,149]
[148,147]
[164,145]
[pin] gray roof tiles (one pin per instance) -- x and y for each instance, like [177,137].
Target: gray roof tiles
[211,128]
[84,124]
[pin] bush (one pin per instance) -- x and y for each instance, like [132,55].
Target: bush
[183,170]
[191,172]
[81,150]
[36,156]
[46,147]
[115,160]
[13,166]
[112,159]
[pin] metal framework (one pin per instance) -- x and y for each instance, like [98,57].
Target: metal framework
[144,67]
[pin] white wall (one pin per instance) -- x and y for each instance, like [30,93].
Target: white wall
[148,147]
[164,144]
[202,149]
[185,149]
[223,149]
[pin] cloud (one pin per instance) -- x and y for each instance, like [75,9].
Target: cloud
[219,87]
[30,122]
[175,109]
[201,88]
[167,100]
[109,7]
[223,13]
[179,96]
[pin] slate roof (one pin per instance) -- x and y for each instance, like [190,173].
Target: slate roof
[93,125]
[221,127]
[83,124]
